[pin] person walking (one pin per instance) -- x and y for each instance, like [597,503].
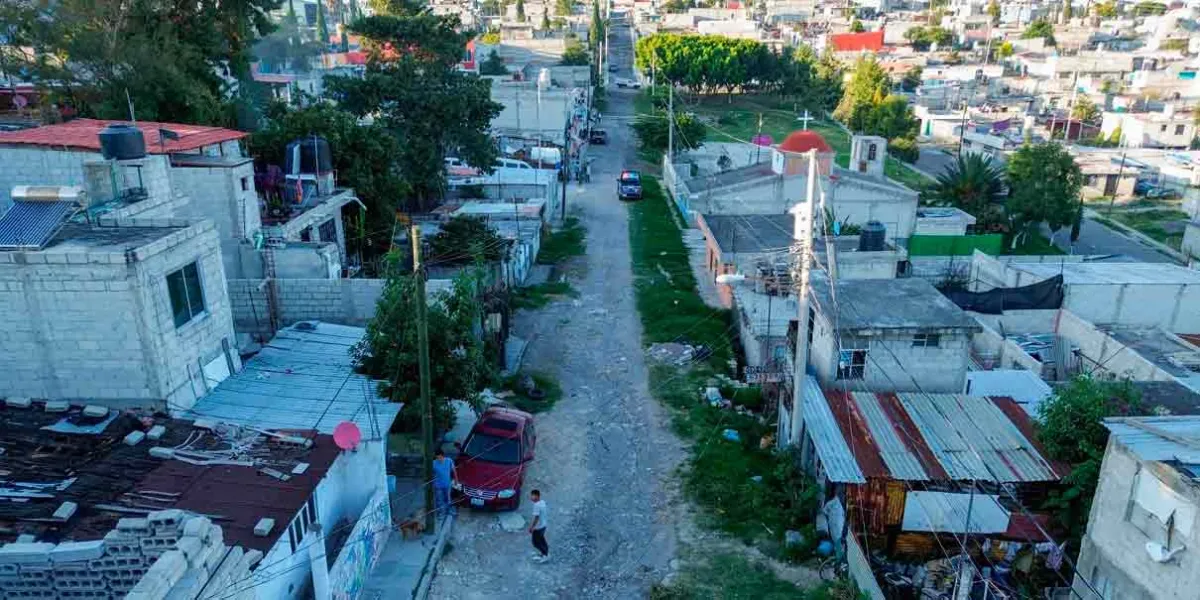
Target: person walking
[537,527]
[444,475]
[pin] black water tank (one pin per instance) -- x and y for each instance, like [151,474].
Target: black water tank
[121,141]
[314,156]
[873,237]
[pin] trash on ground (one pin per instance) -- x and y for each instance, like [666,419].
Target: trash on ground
[732,435]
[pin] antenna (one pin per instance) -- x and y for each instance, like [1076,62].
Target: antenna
[129,101]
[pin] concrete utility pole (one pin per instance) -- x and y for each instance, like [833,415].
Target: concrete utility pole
[803,234]
[423,363]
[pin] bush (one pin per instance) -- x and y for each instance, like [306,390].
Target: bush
[905,149]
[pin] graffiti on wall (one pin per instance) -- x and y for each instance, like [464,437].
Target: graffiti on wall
[362,549]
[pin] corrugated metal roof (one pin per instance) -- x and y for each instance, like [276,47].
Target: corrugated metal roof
[973,439]
[900,460]
[1023,386]
[947,512]
[827,437]
[1148,444]
[32,224]
[302,379]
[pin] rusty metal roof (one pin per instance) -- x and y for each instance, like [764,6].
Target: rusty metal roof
[840,464]
[901,461]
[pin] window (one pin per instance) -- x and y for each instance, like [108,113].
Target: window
[1162,129]
[1179,129]
[306,234]
[327,232]
[926,340]
[852,359]
[245,184]
[187,298]
[871,152]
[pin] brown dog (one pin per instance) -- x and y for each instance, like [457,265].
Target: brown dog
[411,527]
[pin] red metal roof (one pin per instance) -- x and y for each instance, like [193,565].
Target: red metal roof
[911,436]
[855,42]
[83,134]
[1021,527]
[857,435]
[241,496]
[803,141]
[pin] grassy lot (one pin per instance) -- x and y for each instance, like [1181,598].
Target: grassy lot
[739,121]
[734,577]
[749,492]
[537,296]
[561,245]
[1153,223]
[1033,245]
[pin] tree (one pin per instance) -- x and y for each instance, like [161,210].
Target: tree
[891,118]
[575,55]
[1105,10]
[1147,9]
[923,38]
[975,184]
[463,240]
[905,149]
[651,130]
[545,26]
[167,59]
[868,87]
[493,65]
[520,11]
[564,8]
[1044,184]
[678,6]
[829,78]
[421,97]
[596,29]
[993,11]
[1071,429]
[1039,28]
[1085,110]
[1005,50]
[911,80]
[322,27]
[856,26]
[388,352]
[1067,10]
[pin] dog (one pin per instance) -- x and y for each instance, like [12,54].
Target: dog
[411,528]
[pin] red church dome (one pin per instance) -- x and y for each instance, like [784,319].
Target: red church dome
[803,141]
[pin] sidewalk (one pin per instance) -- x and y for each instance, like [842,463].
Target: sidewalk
[406,567]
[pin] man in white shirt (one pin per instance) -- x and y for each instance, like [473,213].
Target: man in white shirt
[537,527]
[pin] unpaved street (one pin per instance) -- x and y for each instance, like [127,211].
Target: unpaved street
[605,456]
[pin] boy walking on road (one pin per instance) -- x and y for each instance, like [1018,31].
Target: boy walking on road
[537,527]
[443,477]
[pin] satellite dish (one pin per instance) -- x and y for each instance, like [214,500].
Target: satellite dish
[346,435]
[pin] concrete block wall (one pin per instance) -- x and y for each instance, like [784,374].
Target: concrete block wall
[314,217]
[24,165]
[97,323]
[168,554]
[217,193]
[893,364]
[342,301]
[150,173]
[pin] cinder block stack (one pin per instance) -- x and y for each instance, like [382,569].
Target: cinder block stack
[169,555]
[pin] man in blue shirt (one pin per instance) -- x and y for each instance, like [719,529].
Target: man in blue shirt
[443,477]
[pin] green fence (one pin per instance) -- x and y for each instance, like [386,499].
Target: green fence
[955,245]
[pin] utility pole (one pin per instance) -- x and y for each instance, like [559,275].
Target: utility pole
[803,234]
[423,363]
[670,121]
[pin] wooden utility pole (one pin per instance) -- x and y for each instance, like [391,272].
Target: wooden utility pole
[423,362]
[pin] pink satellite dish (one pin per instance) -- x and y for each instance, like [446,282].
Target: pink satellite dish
[346,435]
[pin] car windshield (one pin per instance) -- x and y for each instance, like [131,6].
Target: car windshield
[490,448]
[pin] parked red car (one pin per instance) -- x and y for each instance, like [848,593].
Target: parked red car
[492,460]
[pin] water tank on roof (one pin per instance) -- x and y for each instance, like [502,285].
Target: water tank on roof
[121,141]
[307,156]
[873,237]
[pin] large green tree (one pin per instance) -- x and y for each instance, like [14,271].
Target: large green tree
[1085,110]
[457,360]
[867,88]
[364,157]
[651,131]
[575,55]
[922,38]
[564,8]
[1039,28]
[975,184]
[168,59]
[1071,429]
[1044,184]
[414,90]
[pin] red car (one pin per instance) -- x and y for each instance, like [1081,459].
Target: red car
[491,461]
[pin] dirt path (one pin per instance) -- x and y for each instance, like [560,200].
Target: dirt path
[604,452]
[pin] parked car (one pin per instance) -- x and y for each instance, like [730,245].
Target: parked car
[492,459]
[628,83]
[598,137]
[510,163]
[1162,194]
[629,185]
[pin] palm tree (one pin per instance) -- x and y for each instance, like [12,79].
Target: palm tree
[975,184]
